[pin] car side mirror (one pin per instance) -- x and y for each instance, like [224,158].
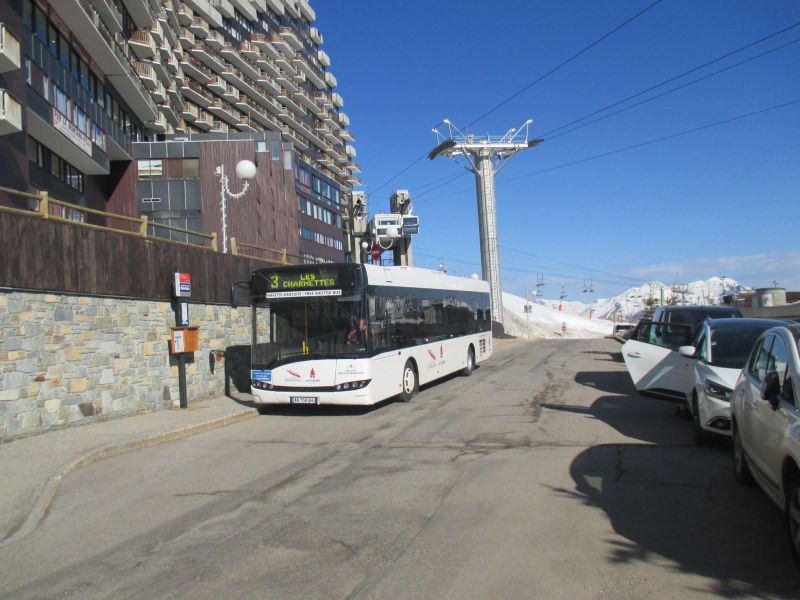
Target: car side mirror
[771,388]
[687,351]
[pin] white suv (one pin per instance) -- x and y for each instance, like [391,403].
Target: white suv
[766,423]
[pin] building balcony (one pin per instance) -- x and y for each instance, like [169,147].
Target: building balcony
[310,72]
[354,167]
[186,38]
[268,84]
[276,6]
[315,35]
[323,58]
[282,45]
[159,93]
[344,120]
[266,65]
[290,36]
[286,83]
[289,103]
[185,14]
[171,114]
[199,27]
[347,135]
[160,124]
[303,98]
[190,112]
[204,121]
[291,8]
[350,151]
[337,100]
[215,40]
[161,72]
[219,126]
[157,33]
[176,95]
[240,62]
[99,43]
[210,13]
[146,73]
[196,94]
[285,64]
[141,11]
[192,67]
[208,57]
[10,114]
[250,50]
[217,84]
[231,94]
[331,137]
[9,51]
[330,79]
[245,125]
[261,42]
[110,15]
[306,10]
[330,121]
[225,111]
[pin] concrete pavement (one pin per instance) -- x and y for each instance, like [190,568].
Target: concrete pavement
[32,468]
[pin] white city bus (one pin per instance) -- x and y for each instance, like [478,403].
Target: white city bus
[359,334]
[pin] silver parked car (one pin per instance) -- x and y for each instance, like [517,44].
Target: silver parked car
[719,352]
[766,423]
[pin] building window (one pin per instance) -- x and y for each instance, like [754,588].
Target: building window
[276,150]
[149,169]
[191,168]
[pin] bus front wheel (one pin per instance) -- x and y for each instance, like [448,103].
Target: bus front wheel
[467,371]
[410,385]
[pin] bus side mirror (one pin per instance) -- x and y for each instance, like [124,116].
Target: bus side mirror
[235,294]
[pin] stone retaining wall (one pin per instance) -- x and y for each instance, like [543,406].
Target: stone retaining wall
[68,359]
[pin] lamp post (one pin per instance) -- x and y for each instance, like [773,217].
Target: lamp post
[245,170]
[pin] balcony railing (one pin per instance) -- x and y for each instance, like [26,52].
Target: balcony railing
[44,206]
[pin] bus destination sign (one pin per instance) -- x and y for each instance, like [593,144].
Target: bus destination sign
[302,281]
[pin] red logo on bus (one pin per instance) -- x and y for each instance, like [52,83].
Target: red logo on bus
[312,374]
[441,350]
[433,356]
[293,374]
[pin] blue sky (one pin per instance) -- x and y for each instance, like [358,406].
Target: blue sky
[719,201]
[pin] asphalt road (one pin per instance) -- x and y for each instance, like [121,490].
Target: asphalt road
[544,475]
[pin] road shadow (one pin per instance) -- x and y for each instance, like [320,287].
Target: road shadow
[682,503]
[612,382]
[612,356]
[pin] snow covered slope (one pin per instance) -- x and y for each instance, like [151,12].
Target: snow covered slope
[547,322]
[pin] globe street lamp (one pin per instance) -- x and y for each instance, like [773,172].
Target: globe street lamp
[246,170]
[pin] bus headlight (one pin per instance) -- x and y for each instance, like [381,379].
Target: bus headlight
[262,385]
[353,385]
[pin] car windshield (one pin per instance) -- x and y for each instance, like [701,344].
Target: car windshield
[730,347]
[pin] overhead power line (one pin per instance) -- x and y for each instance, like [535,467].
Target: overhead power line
[657,140]
[675,89]
[640,145]
[526,88]
[564,63]
[676,77]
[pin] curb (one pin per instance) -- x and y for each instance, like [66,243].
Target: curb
[42,504]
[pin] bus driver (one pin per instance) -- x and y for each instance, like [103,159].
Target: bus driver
[358,334]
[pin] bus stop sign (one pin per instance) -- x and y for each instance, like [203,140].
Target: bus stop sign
[376,252]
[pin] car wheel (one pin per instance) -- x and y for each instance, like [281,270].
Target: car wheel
[793,516]
[410,385]
[467,371]
[741,468]
[701,437]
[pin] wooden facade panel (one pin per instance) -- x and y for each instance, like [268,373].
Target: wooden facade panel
[41,254]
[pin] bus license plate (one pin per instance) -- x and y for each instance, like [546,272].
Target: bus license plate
[302,399]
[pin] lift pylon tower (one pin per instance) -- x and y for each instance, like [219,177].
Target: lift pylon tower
[485,156]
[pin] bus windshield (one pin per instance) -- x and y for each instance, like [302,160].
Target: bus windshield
[318,327]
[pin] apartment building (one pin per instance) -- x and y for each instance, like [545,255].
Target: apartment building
[83,82]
